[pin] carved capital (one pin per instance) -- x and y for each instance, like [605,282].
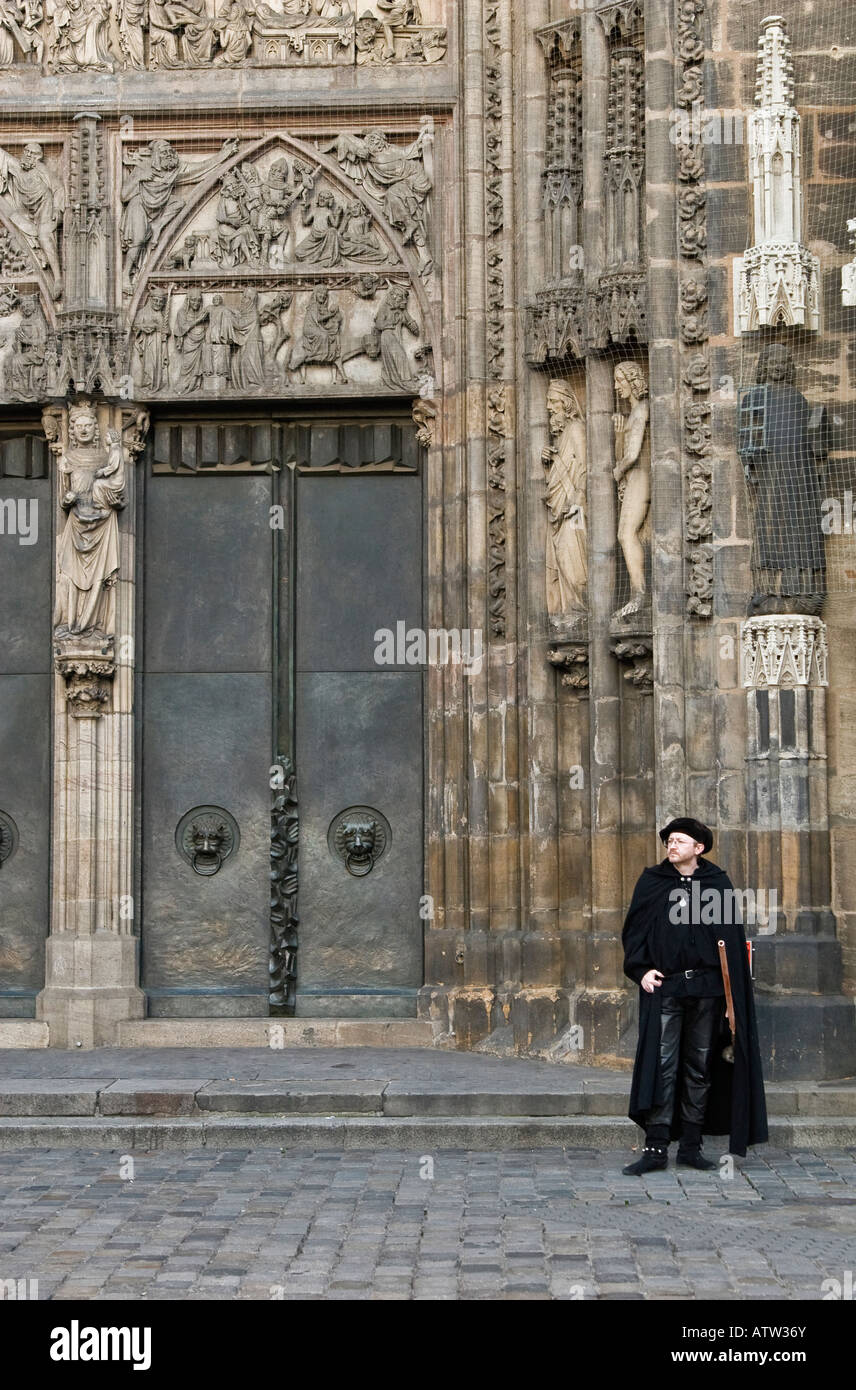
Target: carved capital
[637,654]
[87,664]
[425,418]
[571,657]
[783,650]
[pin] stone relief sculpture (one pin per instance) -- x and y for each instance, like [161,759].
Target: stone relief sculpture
[564,460]
[398,180]
[782,441]
[189,338]
[321,337]
[151,340]
[323,244]
[92,488]
[26,364]
[32,199]
[78,36]
[385,343]
[632,473]
[151,178]
[101,35]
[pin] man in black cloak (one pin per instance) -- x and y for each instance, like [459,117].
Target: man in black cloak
[682,1085]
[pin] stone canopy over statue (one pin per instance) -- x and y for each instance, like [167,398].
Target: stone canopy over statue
[782,441]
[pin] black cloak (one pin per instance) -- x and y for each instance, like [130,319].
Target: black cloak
[736,1103]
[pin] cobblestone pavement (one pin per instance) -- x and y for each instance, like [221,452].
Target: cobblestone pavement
[264,1224]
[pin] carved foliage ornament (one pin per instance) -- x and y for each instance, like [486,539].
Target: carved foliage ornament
[284,835]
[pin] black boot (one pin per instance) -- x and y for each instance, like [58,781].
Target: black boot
[689,1149]
[654,1157]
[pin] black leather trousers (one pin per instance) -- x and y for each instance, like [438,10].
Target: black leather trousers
[687,1031]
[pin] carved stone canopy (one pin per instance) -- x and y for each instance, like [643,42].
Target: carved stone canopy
[784,650]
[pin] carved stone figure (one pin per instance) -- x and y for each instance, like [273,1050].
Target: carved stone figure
[181,34]
[782,441]
[234,28]
[17,25]
[151,340]
[92,486]
[189,338]
[25,366]
[565,462]
[79,36]
[321,336]
[385,341]
[271,314]
[248,368]
[221,337]
[358,238]
[396,178]
[151,178]
[32,197]
[848,272]
[322,246]
[632,472]
[370,41]
[130,19]
[237,240]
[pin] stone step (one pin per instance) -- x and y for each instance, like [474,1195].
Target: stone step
[23,1032]
[423,1134]
[563,1094]
[278,1032]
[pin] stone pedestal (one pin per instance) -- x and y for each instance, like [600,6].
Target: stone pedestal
[807,1028]
[91,988]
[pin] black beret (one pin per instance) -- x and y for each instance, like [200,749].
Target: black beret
[687,825]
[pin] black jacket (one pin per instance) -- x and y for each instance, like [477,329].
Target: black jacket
[736,1104]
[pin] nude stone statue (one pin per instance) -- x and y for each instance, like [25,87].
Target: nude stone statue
[632,472]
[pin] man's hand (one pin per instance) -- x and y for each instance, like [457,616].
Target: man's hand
[651,981]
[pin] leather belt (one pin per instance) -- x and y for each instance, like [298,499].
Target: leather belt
[691,974]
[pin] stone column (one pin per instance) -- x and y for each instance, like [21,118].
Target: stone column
[807,1028]
[91,957]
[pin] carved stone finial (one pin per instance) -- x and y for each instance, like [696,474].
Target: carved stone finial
[777,282]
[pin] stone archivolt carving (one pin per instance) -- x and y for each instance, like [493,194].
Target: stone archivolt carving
[777,281]
[107,35]
[497,431]
[693,316]
[564,460]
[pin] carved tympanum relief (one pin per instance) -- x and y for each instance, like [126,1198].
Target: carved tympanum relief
[278,278]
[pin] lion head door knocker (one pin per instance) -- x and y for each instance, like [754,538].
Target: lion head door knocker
[205,837]
[359,836]
[8,838]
